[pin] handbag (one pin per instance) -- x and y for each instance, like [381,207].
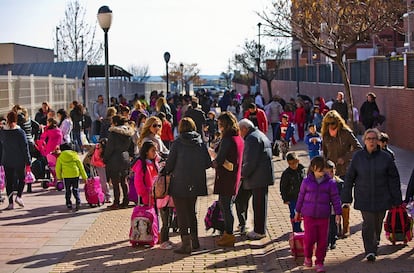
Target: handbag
[29,178]
[160,186]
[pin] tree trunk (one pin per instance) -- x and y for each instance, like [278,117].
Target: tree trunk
[348,92]
[269,89]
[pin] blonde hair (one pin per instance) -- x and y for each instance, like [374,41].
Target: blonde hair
[160,102]
[333,116]
[146,129]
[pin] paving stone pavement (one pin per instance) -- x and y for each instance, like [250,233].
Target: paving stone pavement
[45,237]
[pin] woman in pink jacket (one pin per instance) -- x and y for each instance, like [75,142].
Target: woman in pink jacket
[51,138]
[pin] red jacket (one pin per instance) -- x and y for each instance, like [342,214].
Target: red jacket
[261,119]
[300,115]
[166,131]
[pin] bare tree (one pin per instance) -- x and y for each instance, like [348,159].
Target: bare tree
[248,59]
[140,72]
[76,38]
[189,74]
[333,27]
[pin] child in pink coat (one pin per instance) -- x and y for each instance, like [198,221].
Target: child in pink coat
[51,138]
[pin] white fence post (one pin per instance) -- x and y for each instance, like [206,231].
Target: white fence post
[50,89]
[10,88]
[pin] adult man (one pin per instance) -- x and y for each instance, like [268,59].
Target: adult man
[257,173]
[99,113]
[257,116]
[197,115]
[375,177]
[341,106]
[273,111]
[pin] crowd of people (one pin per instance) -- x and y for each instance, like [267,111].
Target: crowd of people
[168,134]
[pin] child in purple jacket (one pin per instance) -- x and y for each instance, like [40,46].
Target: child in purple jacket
[317,193]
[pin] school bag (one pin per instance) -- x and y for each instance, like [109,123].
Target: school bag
[144,226]
[214,218]
[93,190]
[132,192]
[398,225]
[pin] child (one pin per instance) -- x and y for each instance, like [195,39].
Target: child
[314,141]
[383,143]
[98,163]
[317,118]
[290,184]
[284,133]
[69,167]
[317,192]
[333,226]
[211,126]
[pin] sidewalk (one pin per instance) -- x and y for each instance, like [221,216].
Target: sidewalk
[45,237]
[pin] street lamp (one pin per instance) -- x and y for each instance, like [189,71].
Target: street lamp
[182,77]
[167,59]
[105,20]
[297,47]
[57,44]
[258,60]
[407,44]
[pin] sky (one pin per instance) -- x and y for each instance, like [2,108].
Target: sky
[206,32]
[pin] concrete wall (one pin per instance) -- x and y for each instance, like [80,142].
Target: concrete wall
[15,53]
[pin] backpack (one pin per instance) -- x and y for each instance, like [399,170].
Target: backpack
[214,218]
[398,225]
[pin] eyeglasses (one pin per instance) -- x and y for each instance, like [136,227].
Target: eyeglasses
[156,125]
[371,138]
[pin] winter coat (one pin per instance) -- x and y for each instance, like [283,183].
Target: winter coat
[41,117]
[118,149]
[290,131]
[69,165]
[409,194]
[161,149]
[368,112]
[77,119]
[273,111]
[315,199]
[66,128]
[105,125]
[198,117]
[144,179]
[300,115]
[257,168]
[166,131]
[187,163]
[49,140]
[15,149]
[375,180]
[311,145]
[341,108]
[97,157]
[290,183]
[344,145]
[259,119]
[230,149]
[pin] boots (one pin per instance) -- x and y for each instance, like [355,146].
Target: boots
[345,221]
[185,245]
[226,240]
[195,244]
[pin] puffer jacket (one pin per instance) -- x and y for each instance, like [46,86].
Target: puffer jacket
[69,165]
[344,145]
[375,180]
[143,180]
[119,148]
[315,199]
[49,140]
[290,183]
[187,163]
[257,169]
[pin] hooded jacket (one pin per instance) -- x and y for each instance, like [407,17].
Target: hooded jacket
[119,148]
[69,165]
[315,199]
[187,163]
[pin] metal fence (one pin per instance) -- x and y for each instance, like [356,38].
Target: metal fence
[31,91]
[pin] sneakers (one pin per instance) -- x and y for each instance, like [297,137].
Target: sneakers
[166,245]
[226,240]
[255,236]
[19,201]
[320,268]
[371,257]
[307,262]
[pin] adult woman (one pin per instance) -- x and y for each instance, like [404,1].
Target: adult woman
[14,157]
[162,106]
[152,131]
[65,124]
[227,180]
[116,157]
[338,145]
[76,114]
[138,109]
[106,122]
[374,179]
[187,183]
[369,111]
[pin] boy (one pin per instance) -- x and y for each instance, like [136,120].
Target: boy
[314,141]
[284,133]
[333,227]
[290,183]
[383,143]
[69,167]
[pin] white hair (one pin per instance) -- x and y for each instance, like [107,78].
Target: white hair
[246,123]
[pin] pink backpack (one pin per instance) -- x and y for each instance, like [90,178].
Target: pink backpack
[93,191]
[144,226]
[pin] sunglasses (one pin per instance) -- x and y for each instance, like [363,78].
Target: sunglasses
[331,123]
[156,125]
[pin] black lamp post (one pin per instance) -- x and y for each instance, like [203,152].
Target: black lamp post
[296,46]
[167,59]
[258,59]
[105,20]
[182,77]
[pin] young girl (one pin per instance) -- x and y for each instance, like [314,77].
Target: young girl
[317,192]
[98,163]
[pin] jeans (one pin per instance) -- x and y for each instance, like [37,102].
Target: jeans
[295,225]
[72,184]
[275,127]
[226,202]
[119,180]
